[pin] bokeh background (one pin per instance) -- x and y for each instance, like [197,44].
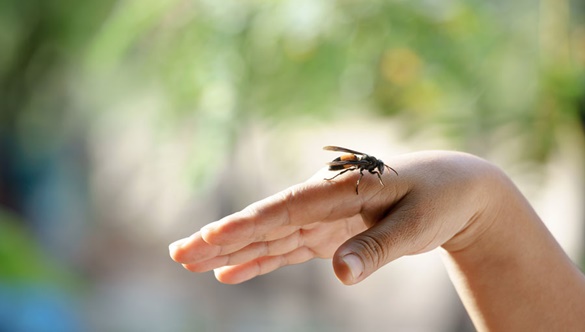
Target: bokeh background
[128,124]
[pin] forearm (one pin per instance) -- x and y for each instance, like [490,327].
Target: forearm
[515,276]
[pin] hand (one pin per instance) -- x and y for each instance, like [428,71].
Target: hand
[509,271]
[436,200]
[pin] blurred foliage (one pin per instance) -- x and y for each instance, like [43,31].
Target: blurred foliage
[24,260]
[36,290]
[482,71]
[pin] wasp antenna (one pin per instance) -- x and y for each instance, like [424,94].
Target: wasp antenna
[391,169]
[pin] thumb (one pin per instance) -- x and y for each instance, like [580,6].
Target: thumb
[396,235]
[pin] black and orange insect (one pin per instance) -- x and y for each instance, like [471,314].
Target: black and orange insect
[355,160]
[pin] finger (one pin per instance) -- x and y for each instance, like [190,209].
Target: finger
[322,238]
[195,249]
[417,224]
[240,273]
[251,252]
[299,205]
[400,233]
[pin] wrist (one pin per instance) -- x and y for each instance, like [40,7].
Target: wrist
[493,192]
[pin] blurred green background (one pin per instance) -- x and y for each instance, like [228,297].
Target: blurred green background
[126,125]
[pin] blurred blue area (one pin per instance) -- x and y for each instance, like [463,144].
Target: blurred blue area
[38,308]
[37,279]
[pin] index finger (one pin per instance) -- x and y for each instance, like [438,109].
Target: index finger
[302,204]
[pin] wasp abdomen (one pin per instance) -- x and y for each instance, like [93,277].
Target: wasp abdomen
[345,157]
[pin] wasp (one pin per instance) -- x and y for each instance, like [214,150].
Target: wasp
[355,160]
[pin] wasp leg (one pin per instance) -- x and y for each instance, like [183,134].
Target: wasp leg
[338,174]
[358,182]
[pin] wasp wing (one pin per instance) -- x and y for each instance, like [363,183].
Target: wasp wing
[338,148]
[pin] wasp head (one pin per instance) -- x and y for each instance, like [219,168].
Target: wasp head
[381,166]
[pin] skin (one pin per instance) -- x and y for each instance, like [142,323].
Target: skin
[507,268]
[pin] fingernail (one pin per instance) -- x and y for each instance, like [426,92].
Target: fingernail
[178,243]
[355,265]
